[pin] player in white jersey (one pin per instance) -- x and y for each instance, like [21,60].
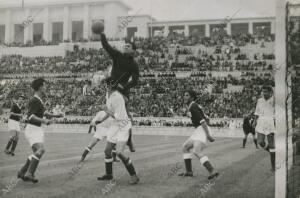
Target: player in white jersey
[102,120]
[265,122]
[117,133]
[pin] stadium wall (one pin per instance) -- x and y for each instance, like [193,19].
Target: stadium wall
[53,50]
[140,130]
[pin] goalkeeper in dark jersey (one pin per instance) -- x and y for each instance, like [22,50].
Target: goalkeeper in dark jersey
[125,72]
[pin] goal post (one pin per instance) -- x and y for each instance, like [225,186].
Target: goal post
[280,100]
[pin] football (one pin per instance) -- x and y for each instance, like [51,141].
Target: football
[98,27]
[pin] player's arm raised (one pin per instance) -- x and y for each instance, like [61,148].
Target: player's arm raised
[110,50]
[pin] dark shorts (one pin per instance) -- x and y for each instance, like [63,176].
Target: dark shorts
[248,132]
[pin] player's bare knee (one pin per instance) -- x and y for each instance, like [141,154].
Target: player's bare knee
[119,152]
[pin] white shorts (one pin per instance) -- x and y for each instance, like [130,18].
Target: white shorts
[13,125]
[102,128]
[118,133]
[199,135]
[34,134]
[101,132]
[265,125]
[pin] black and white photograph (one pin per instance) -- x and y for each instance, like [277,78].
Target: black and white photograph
[150,98]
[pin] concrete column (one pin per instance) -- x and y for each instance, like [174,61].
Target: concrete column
[46,30]
[250,27]
[228,28]
[66,24]
[142,31]
[207,31]
[166,31]
[86,22]
[27,36]
[8,27]
[111,20]
[273,27]
[186,30]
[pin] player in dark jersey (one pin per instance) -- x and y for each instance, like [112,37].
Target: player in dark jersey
[124,68]
[14,125]
[34,133]
[197,141]
[249,127]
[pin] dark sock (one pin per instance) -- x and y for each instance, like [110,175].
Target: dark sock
[128,164]
[24,169]
[114,154]
[90,129]
[14,145]
[272,155]
[108,166]
[244,142]
[255,142]
[206,163]
[33,165]
[85,152]
[188,164]
[129,142]
[9,143]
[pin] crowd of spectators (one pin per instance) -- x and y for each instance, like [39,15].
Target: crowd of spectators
[159,92]
[76,61]
[156,53]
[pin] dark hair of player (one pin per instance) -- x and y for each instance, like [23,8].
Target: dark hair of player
[131,43]
[267,87]
[112,84]
[37,83]
[193,94]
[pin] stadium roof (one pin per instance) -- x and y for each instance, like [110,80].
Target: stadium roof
[34,3]
[221,20]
